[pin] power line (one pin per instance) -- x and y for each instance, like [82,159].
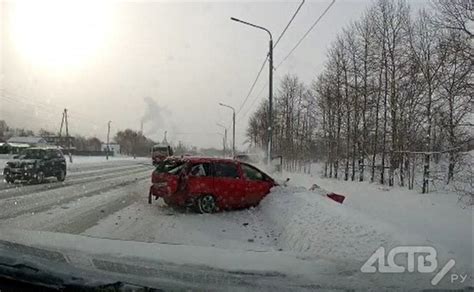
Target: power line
[253,102]
[256,98]
[36,109]
[30,101]
[288,25]
[37,103]
[41,111]
[266,59]
[306,33]
[253,85]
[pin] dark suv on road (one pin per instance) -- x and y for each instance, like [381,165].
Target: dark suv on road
[36,164]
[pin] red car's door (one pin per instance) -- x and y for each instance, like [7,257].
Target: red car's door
[229,187]
[200,180]
[257,184]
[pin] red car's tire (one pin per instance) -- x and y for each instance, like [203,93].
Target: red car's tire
[206,204]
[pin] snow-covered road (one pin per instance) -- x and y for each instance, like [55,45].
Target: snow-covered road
[109,200]
[87,187]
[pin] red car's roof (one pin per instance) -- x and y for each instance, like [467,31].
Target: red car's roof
[197,159]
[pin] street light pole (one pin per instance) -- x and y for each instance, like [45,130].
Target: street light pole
[108,134]
[270,103]
[233,126]
[270,89]
[225,136]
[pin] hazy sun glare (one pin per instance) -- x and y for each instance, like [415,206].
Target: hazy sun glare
[59,33]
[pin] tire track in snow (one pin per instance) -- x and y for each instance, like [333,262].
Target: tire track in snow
[76,172]
[80,214]
[13,207]
[242,229]
[103,165]
[92,216]
[35,189]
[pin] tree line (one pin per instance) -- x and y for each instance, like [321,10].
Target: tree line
[396,88]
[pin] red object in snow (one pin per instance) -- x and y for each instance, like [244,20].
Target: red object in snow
[336,197]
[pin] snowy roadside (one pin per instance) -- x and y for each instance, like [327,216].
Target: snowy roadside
[310,223]
[371,216]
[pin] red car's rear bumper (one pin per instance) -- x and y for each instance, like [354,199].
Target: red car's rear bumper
[176,199]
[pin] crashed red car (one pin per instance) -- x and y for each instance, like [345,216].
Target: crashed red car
[209,184]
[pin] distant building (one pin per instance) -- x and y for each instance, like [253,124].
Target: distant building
[113,147]
[31,140]
[63,141]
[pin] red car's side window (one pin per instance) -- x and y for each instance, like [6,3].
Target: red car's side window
[227,170]
[200,169]
[251,173]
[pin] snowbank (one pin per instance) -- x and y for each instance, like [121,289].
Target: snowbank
[371,216]
[314,226]
[312,223]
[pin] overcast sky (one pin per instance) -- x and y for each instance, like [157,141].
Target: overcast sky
[166,63]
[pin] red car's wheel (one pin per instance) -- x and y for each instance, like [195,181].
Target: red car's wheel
[206,204]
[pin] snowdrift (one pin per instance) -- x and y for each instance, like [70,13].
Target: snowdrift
[308,221]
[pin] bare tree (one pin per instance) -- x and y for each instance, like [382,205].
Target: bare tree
[424,42]
[454,15]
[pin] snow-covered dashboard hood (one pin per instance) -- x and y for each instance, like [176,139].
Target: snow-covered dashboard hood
[85,260]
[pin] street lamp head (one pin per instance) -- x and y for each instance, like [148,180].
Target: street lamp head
[228,106]
[251,24]
[237,20]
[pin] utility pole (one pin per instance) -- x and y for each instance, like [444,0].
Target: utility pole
[61,128]
[270,103]
[108,135]
[225,141]
[233,134]
[225,137]
[68,138]
[233,126]
[270,89]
